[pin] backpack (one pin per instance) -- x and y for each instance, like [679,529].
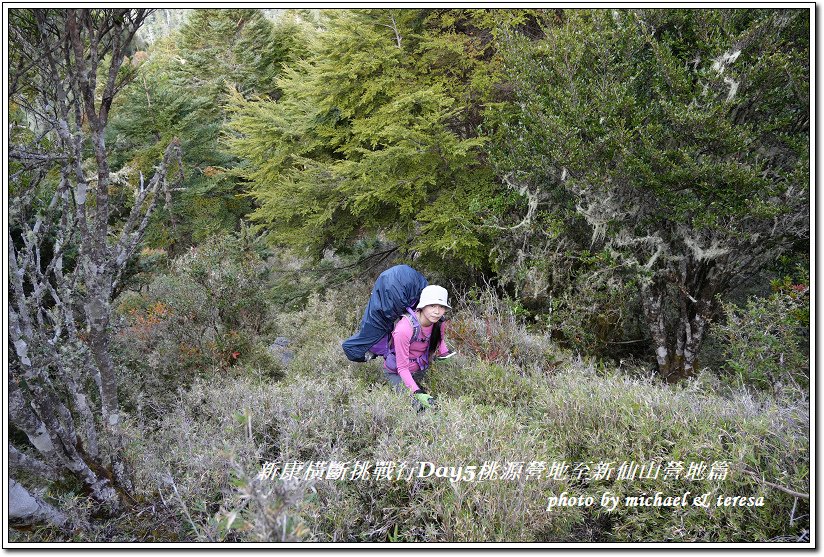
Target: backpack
[396,290]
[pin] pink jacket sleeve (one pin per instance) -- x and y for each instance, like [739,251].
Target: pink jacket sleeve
[402,337]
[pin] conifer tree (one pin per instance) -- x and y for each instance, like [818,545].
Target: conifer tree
[180,91]
[376,132]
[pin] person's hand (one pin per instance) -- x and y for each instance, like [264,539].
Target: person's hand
[423,398]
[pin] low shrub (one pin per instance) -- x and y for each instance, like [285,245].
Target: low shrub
[608,418]
[224,430]
[767,342]
[488,327]
[199,464]
[208,314]
[527,427]
[481,382]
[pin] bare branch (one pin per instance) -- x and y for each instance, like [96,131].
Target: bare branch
[58,56]
[129,236]
[776,486]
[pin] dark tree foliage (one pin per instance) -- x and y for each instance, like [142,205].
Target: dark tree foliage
[180,90]
[681,137]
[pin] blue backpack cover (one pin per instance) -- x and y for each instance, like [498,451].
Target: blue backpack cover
[396,289]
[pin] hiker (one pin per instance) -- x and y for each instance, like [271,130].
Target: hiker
[417,337]
[395,290]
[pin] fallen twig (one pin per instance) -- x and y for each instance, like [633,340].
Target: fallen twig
[776,486]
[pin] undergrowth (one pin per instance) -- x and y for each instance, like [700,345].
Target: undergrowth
[551,423]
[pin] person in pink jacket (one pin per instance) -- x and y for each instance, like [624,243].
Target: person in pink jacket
[413,352]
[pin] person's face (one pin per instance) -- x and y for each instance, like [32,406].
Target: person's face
[434,312]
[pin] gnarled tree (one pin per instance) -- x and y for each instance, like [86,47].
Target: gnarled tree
[681,136]
[68,244]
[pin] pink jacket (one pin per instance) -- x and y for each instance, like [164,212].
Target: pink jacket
[406,349]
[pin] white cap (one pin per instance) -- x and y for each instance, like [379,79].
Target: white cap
[434,294]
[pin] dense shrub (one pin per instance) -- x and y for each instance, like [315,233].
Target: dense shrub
[767,341]
[224,430]
[597,313]
[210,313]
[490,328]
[594,417]
[206,450]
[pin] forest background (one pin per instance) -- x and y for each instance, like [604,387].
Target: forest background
[618,201]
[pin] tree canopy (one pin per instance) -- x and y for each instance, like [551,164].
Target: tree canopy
[377,131]
[680,136]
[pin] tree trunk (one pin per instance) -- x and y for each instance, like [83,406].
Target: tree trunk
[652,298]
[57,442]
[691,289]
[698,283]
[21,462]
[25,508]
[694,340]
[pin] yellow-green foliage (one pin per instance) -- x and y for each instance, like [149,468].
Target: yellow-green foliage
[378,130]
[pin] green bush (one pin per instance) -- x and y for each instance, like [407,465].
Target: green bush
[596,418]
[481,382]
[209,314]
[490,328]
[597,314]
[767,341]
[224,430]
